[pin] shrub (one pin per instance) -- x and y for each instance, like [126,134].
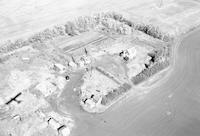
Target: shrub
[104,100]
[70,28]
[59,30]
[81,24]
[117,17]
[126,86]
[155,55]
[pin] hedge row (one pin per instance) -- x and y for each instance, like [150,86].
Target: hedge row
[148,72]
[148,29]
[40,37]
[105,22]
[107,99]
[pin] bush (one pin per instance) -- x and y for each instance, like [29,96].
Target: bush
[20,43]
[156,55]
[48,34]
[117,17]
[126,86]
[129,23]
[104,100]
[70,28]
[35,38]
[59,30]
[81,24]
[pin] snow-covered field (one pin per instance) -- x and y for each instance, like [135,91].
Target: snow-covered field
[20,18]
